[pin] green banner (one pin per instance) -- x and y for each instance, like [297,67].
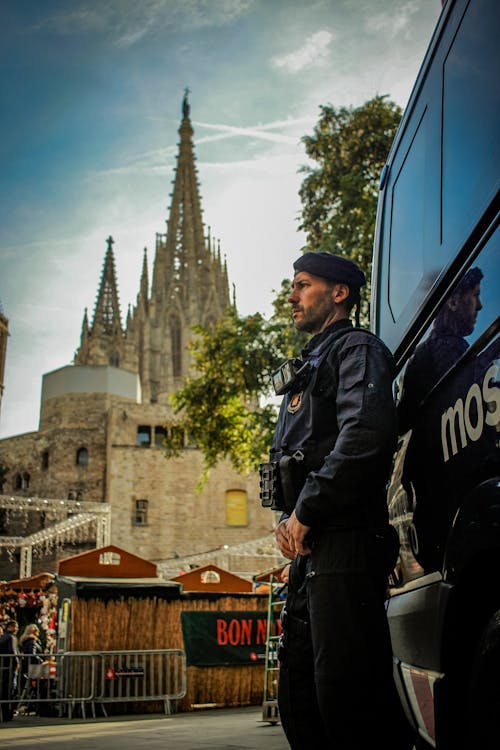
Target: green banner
[222,638]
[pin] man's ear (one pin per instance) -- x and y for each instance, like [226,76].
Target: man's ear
[340,293]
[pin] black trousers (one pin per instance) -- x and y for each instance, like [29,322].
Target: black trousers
[336,689]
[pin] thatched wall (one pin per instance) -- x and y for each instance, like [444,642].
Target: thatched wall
[132,623]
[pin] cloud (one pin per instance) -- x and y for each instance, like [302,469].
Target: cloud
[159,161]
[127,21]
[394,23]
[313,54]
[259,131]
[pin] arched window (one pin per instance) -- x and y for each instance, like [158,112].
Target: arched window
[26,481]
[82,457]
[45,460]
[110,558]
[18,482]
[176,346]
[210,576]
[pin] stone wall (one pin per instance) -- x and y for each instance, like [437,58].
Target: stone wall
[179,521]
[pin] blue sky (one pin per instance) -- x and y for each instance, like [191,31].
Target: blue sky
[91,96]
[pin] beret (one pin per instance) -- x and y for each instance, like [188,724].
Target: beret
[331,267]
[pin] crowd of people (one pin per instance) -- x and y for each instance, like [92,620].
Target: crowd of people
[17,655]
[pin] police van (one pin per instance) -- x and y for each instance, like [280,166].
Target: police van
[435,303]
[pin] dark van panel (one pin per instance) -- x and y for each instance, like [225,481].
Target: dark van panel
[436,303]
[442,184]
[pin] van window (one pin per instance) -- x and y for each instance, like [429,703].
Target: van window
[471,106]
[407,228]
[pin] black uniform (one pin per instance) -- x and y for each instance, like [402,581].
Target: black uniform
[336,688]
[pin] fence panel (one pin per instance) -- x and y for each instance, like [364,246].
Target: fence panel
[91,678]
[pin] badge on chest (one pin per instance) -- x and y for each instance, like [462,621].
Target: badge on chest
[295,402]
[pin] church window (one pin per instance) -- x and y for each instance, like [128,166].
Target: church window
[141,513]
[236,508]
[26,481]
[18,482]
[160,435]
[144,435]
[176,346]
[82,457]
[45,460]
[114,360]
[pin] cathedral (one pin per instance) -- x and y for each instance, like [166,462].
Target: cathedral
[96,471]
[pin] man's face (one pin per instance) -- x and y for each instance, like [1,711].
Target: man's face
[466,308]
[312,300]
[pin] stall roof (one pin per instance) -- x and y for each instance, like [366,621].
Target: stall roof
[38,581]
[211,578]
[87,587]
[107,562]
[267,575]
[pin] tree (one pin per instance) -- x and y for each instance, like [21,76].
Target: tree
[224,407]
[339,196]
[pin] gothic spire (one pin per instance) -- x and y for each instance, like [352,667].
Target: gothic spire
[107,316]
[144,276]
[183,253]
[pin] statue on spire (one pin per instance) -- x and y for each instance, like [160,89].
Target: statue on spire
[185,103]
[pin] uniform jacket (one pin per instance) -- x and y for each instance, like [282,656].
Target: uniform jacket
[343,419]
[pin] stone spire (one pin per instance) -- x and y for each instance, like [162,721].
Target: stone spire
[189,287]
[102,341]
[107,316]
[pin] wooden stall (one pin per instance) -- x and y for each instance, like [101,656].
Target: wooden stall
[115,601]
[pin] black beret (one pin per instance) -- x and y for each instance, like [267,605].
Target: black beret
[331,267]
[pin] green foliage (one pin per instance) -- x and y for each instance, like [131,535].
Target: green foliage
[339,196]
[222,406]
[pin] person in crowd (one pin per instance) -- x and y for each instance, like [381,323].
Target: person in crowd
[31,649]
[332,450]
[9,667]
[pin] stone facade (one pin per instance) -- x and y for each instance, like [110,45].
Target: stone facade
[102,419]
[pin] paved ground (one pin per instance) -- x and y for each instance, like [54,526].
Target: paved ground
[214,729]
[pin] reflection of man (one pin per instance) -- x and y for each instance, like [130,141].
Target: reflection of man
[433,482]
[444,346]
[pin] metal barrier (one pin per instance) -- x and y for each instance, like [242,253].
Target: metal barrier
[89,678]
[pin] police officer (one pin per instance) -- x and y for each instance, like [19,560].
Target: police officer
[334,443]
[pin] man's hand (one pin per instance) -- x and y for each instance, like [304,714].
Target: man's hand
[290,535]
[297,533]
[283,541]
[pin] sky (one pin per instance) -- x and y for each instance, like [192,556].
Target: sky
[90,100]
